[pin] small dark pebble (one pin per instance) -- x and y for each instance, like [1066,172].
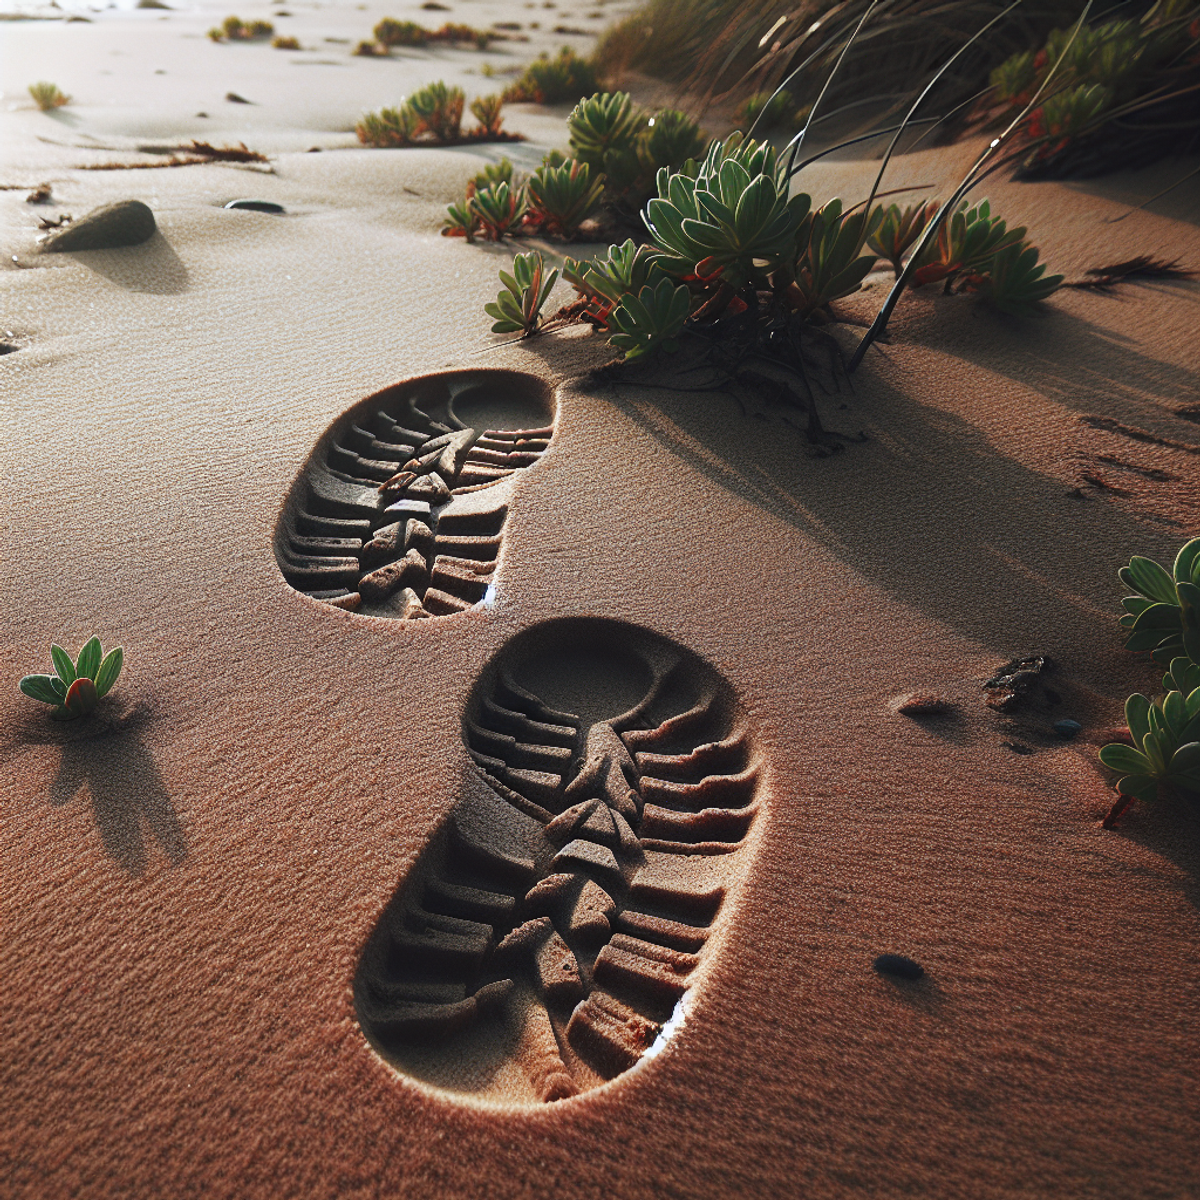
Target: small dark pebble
[234,98]
[1017,747]
[5,348]
[264,206]
[1067,729]
[204,115]
[898,966]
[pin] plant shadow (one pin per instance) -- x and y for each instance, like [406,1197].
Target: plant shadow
[130,801]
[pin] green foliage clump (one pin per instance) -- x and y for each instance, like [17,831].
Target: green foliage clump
[47,95]
[1015,282]
[76,687]
[498,210]
[830,264]
[654,317]
[562,198]
[1166,738]
[628,145]
[432,116]
[234,29]
[390,32]
[1123,91]
[895,230]
[1163,615]
[518,307]
[439,110]
[771,110]
[564,78]
[284,43]
[1163,618]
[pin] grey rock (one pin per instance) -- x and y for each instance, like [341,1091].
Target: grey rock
[126,223]
[263,206]
[1067,729]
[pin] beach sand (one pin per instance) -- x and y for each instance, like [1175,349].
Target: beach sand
[190,880]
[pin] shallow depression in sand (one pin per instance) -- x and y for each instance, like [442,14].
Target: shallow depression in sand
[400,510]
[548,936]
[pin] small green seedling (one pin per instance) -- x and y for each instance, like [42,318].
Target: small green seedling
[47,95]
[77,687]
[518,308]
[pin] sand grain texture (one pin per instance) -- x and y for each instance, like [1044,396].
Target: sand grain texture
[187,896]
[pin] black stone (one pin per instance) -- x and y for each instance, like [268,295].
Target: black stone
[264,206]
[126,223]
[898,966]
[1067,729]
[234,98]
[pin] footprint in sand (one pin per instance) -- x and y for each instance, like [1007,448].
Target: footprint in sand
[400,510]
[546,938]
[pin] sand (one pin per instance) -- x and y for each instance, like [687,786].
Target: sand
[190,884]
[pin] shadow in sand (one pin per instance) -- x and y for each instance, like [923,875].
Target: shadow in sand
[152,267]
[923,995]
[1083,366]
[129,797]
[1136,187]
[1170,828]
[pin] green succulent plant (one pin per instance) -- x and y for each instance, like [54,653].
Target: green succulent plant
[1015,78]
[1163,616]
[650,320]
[830,263]
[389,128]
[603,124]
[894,231]
[967,241]
[486,110]
[565,78]
[493,173]
[498,209]
[48,96]
[76,687]
[1166,749]
[1016,282]
[672,138]
[562,198]
[729,220]
[517,309]
[439,109]
[390,32]
[605,281]
[1069,113]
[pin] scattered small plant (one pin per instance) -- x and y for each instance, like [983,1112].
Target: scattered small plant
[234,29]
[1166,738]
[76,687]
[894,231]
[47,95]
[486,110]
[1015,282]
[390,32]
[497,210]
[1163,619]
[566,77]
[518,307]
[766,111]
[562,198]
[1125,92]
[432,116]
[284,43]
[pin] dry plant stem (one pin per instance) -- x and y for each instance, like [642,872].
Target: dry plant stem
[973,175]
[1157,196]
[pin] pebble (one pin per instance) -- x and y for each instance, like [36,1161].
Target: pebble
[899,966]
[126,223]
[1067,729]
[263,206]
[234,98]
[918,704]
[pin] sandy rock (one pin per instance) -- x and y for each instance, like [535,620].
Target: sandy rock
[126,223]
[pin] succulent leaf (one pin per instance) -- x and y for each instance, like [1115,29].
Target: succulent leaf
[109,669]
[63,664]
[89,659]
[49,689]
